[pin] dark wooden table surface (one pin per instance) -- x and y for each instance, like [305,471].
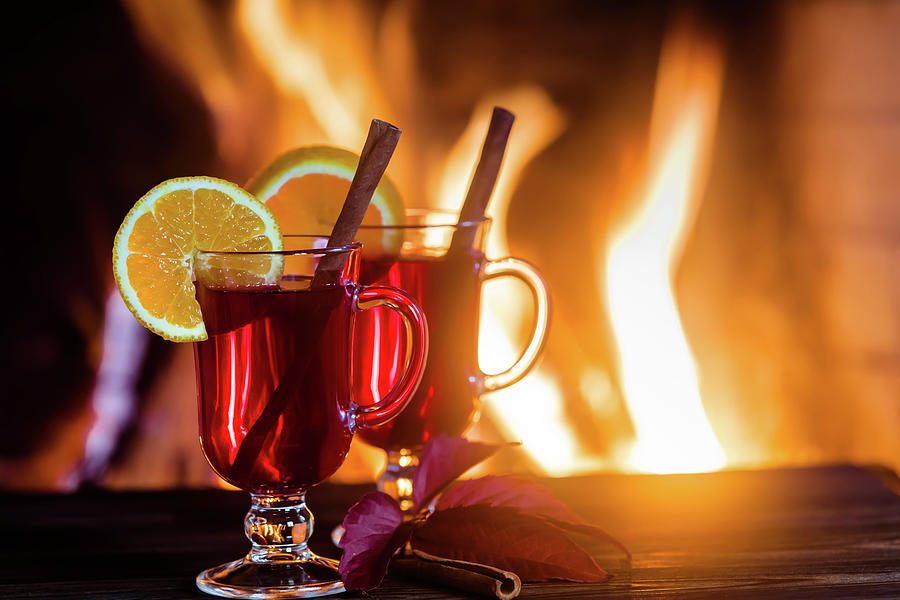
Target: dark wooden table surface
[824,532]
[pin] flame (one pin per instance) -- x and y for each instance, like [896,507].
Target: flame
[340,101]
[536,414]
[333,79]
[276,74]
[657,369]
[532,410]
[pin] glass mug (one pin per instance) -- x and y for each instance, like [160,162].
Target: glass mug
[276,409]
[447,286]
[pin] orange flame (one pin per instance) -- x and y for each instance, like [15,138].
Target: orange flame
[657,369]
[532,410]
[340,100]
[276,74]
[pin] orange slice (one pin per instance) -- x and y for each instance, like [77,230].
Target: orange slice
[306,187]
[153,254]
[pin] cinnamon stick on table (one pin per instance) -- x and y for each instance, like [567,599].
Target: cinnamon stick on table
[484,179]
[475,578]
[373,161]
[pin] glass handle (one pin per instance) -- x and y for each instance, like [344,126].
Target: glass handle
[396,400]
[513,267]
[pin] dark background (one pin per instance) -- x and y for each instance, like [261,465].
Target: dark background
[90,124]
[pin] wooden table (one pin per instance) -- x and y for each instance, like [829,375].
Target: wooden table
[824,532]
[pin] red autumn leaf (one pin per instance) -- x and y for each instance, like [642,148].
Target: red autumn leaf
[373,531]
[507,490]
[445,458]
[503,537]
[525,495]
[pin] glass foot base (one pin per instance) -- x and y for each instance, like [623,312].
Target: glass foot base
[244,578]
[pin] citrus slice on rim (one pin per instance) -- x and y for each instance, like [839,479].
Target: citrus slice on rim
[306,187]
[153,253]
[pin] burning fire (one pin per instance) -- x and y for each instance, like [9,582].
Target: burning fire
[274,76]
[657,370]
[532,410]
[327,92]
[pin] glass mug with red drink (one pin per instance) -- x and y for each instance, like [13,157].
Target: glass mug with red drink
[276,408]
[445,277]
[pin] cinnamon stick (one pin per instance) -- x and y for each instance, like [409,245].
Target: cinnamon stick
[373,161]
[475,578]
[484,179]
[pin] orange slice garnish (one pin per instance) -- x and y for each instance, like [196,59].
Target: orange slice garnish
[153,253]
[306,187]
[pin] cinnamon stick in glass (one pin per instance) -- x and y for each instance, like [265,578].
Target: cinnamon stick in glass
[373,161]
[485,178]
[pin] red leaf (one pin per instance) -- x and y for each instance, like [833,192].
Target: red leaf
[445,458]
[590,531]
[531,547]
[507,490]
[374,531]
[525,495]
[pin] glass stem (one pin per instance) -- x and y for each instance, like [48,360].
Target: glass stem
[397,479]
[278,527]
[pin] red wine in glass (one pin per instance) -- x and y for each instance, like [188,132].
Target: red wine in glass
[257,340]
[446,280]
[448,290]
[276,410]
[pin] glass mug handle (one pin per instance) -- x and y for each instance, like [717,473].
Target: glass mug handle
[525,272]
[396,400]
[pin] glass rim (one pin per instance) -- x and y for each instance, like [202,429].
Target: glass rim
[323,251]
[425,211]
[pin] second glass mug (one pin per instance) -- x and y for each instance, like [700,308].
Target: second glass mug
[447,284]
[276,409]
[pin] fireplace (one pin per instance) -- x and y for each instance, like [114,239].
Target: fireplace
[708,190]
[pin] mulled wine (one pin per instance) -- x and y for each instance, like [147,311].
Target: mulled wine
[448,290]
[275,405]
[268,346]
